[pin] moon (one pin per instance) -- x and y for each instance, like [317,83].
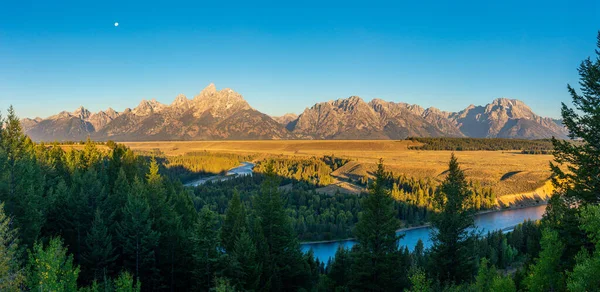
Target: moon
[116,24]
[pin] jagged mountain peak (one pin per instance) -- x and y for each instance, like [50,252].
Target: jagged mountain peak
[110,111]
[350,104]
[508,101]
[82,113]
[210,89]
[180,101]
[147,107]
[219,104]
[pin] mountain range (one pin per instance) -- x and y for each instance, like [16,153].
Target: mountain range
[225,115]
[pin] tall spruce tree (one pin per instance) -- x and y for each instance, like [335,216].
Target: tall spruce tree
[207,255]
[22,182]
[11,275]
[576,171]
[283,265]
[234,223]
[245,264]
[340,272]
[377,260]
[452,253]
[581,183]
[136,237]
[100,255]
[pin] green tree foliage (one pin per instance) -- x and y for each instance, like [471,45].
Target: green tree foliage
[11,275]
[245,264]
[315,171]
[21,179]
[339,270]
[478,144]
[580,184]
[489,279]
[377,262]
[283,265]
[136,237]
[584,276]
[51,269]
[451,253]
[419,281]
[223,285]
[100,254]
[207,255]
[234,223]
[546,273]
[126,283]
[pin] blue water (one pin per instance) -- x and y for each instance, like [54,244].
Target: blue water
[504,220]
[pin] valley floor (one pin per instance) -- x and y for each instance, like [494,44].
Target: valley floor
[509,173]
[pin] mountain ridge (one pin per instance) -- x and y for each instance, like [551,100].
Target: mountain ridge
[225,115]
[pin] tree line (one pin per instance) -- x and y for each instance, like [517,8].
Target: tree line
[479,144]
[313,170]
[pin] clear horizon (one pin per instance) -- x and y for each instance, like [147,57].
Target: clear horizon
[283,57]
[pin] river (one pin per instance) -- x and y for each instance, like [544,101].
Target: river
[244,169]
[501,220]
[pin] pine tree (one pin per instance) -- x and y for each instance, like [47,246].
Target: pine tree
[451,253]
[485,276]
[575,168]
[581,183]
[235,221]
[126,283]
[51,269]
[117,199]
[419,281]
[246,265]
[418,255]
[377,261]
[137,238]
[13,141]
[206,255]
[546,274]
[11,275]
[153,177]
[100,255]
[584,276]
[340,271]
[22,181]
[180,257]
[281,258]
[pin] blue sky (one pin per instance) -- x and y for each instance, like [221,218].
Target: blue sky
[287,55]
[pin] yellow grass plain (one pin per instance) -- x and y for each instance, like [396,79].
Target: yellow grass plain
[509,173]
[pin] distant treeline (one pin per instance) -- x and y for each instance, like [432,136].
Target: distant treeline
[477,144]
[537,152]
[316,171]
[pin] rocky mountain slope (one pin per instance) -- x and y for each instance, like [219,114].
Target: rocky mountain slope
[353,118]
[224,114]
